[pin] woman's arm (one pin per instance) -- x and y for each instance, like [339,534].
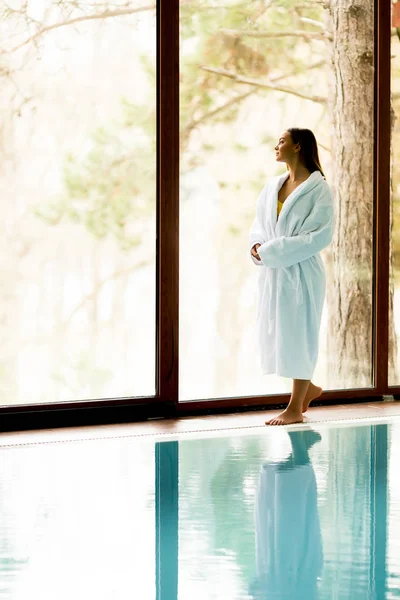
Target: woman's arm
[316,234]
[257,235]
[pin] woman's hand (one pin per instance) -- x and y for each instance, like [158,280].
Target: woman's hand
[254,251]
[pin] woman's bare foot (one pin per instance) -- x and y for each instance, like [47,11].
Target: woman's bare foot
[287,417]
[313,392]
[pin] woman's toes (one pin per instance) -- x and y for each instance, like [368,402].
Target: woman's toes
[274,422]
[287,417]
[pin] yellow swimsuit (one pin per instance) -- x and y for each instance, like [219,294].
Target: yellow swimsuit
[280,204]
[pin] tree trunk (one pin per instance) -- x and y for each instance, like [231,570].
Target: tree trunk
[393,348]
[349,282]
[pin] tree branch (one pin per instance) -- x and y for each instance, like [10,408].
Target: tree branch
[308,35]
[324,147]
[267,85]
[313,22]
[193,124]
[99,285]
[104,15]
[318,2]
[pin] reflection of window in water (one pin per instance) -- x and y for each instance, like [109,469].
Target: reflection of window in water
[289,554]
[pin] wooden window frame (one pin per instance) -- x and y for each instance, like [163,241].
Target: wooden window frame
[165,402]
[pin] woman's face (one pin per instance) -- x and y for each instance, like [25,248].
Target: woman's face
[285,149]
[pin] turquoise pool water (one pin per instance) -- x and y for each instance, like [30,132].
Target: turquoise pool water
[283,514]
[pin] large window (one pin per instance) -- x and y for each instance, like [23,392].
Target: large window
[135,141]
[247,73]
[78,181]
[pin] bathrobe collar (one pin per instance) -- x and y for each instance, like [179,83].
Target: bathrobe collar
[309,184]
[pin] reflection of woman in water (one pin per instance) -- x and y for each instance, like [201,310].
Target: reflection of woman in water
[288,535]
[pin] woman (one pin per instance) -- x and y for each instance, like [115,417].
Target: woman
[294,222]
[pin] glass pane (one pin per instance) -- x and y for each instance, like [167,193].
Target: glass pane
[394,305]
[71,515]
[77,290]
[249,72]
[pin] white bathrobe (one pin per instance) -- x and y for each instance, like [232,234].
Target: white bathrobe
[292,275]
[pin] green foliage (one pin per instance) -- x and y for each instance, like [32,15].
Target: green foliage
[211,35]
[111,188]
[234,230]
[83,376]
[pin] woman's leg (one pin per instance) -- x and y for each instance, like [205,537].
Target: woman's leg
[313,392]
[294,411]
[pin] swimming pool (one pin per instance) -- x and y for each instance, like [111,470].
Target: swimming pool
[301,513]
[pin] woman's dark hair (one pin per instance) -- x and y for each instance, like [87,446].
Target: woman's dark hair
[308,148]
